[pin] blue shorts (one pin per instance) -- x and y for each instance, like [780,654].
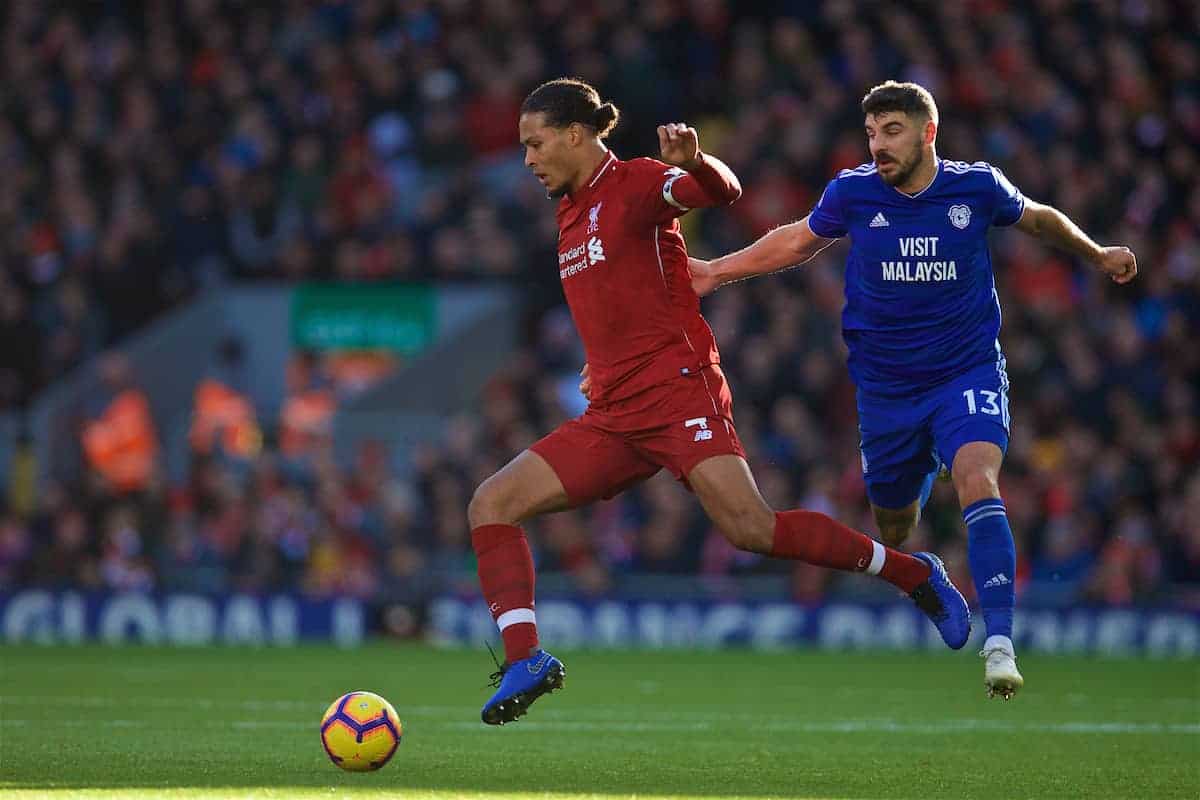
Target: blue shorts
[904,441]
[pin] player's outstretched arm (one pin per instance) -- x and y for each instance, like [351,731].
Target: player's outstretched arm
[1056,228]
[709,181]
[786,246]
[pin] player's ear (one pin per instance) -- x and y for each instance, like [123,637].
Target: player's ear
[930,131]
[575,134]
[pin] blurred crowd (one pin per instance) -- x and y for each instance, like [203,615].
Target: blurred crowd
[153,149]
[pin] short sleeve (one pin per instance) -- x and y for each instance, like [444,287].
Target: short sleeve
[827,219]
[1009,202]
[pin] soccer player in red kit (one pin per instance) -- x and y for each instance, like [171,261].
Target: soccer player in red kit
[658,398]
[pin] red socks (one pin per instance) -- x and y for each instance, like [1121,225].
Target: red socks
[821,540]
[506,576]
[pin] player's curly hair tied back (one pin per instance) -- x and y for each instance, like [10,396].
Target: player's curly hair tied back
[567,100]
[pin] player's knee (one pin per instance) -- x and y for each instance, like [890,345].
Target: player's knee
[490,505]
[750,529]
[894,533]
[895,526]
[976,484]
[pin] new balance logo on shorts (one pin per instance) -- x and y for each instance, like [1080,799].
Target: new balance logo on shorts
[999,579]
[702,435]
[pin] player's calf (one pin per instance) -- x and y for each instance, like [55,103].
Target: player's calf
[525,486]
[991,550]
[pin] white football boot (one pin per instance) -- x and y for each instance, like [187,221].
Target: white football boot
[1000,674]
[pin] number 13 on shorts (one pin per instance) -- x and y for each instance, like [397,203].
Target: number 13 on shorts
[990,404]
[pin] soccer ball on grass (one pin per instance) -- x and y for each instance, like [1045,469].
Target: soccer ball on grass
[360,731]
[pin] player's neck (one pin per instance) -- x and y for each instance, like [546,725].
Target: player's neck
[922,177]
[595,157]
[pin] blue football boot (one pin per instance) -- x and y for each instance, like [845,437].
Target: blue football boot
[943,603]
[519,684]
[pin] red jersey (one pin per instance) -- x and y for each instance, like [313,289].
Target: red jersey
[624,271]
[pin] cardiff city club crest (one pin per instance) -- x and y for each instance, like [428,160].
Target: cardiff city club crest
[960,216]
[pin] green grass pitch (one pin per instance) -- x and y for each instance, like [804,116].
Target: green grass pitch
[216,723]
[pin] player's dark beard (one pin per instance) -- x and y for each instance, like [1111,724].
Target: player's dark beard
[904,171]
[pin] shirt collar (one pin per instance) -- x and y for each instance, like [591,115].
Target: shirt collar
[597,175]
[936,173]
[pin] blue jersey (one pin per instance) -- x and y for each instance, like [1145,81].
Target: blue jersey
[921,305]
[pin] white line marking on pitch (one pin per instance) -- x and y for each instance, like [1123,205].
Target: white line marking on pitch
[834,726]
[597,716]
[864,726]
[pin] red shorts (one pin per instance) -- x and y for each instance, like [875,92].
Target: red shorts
[675,425]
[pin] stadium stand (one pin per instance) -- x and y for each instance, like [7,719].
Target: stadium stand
[151,154]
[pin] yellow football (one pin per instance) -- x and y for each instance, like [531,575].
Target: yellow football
[360,731]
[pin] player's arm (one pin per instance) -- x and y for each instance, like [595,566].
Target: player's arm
[1055,228]
[786,246]
[706,180]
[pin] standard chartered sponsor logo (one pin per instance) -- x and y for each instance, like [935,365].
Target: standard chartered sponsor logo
[570,255]
[577,259]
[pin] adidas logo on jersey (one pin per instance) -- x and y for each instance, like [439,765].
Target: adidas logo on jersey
[880,221]
[999,579]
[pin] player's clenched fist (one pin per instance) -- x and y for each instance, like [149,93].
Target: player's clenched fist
[679,143]
[1118,263]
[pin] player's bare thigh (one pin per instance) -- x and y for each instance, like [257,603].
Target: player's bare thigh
[727,491]
[524,487]
[897,524]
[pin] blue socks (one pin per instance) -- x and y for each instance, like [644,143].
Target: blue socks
[993,558]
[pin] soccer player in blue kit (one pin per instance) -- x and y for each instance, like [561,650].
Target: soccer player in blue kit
[921,323]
